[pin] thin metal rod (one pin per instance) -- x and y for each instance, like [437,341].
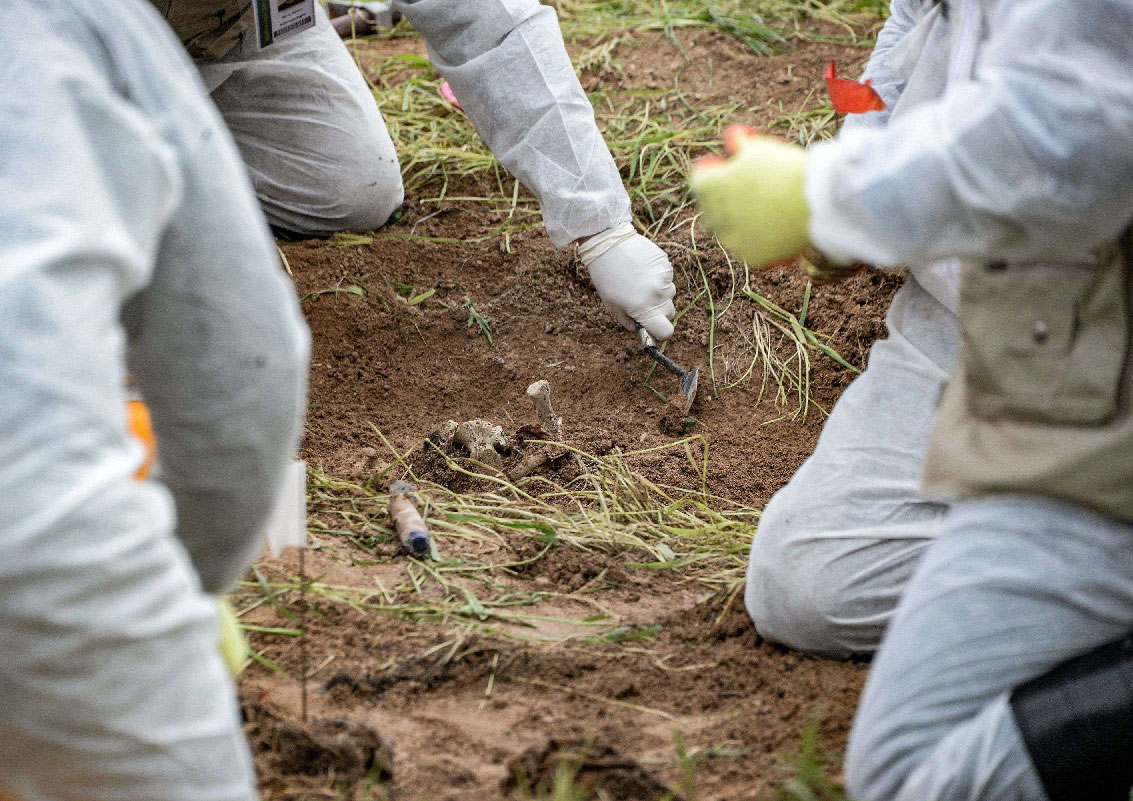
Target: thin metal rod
[663,360]
[303,636]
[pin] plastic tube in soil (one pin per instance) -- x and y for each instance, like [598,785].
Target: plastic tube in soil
[407,521]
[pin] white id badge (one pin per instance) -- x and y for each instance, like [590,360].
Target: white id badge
[276,19]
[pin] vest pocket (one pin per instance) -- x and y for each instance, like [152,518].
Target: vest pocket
[1045,342]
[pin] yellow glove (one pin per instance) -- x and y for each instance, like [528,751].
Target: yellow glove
[233,646]
[754,201]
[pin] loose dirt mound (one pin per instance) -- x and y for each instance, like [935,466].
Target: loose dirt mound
[335,751]
[595,767]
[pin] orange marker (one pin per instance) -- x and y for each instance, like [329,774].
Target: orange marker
[851,97]
[139,423]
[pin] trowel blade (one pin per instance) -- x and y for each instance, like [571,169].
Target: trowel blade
[689,382]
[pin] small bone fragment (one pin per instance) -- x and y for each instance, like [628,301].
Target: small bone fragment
[445,433]
[540,392]
[530,463]
[483,441]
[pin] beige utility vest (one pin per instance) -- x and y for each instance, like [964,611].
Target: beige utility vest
[209,29]
[1039,402]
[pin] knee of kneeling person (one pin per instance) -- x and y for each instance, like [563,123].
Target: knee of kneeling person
[368,196]
[795,596]
[874,769]
[358,196]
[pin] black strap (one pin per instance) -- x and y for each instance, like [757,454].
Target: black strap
[1077,724]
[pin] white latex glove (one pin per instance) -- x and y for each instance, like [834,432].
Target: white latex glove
[633,277]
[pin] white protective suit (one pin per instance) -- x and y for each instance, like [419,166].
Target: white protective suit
[837,545]
[127,226]
[322,160]
[1027,160]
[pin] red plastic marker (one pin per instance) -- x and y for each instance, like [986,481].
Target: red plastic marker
[732,136]
[447,94]
[851,97]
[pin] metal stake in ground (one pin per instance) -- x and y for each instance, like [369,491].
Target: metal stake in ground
[303,636]
[689,378]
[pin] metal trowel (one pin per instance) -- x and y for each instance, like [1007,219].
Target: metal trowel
[689,378]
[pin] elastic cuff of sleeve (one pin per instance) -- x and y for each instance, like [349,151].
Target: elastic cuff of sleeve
[564,234]
[840,225]
[824,226]
[601,243]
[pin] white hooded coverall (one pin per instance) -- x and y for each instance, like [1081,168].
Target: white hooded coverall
[128,227]
[322,161]
[837,544]
[1022,156]
[321,158]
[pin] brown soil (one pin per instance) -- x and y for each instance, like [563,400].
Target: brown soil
[436,711]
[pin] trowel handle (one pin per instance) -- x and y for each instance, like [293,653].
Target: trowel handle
[646,340]
[410,527]
[650,345]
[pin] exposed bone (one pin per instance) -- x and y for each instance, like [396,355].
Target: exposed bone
[484,442]
[443,435]
[540,392]
[531,463]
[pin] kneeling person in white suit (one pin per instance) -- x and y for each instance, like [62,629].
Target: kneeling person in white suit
[128,228]
[322,161]
[1006,672]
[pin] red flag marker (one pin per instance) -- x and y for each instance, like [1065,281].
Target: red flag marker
[851,97]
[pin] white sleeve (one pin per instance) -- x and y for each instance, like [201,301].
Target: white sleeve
[1030,158]
[111,246]
[86,191]
[508,66]
[903,16]
[100,614]
[112,686]
[219,349]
